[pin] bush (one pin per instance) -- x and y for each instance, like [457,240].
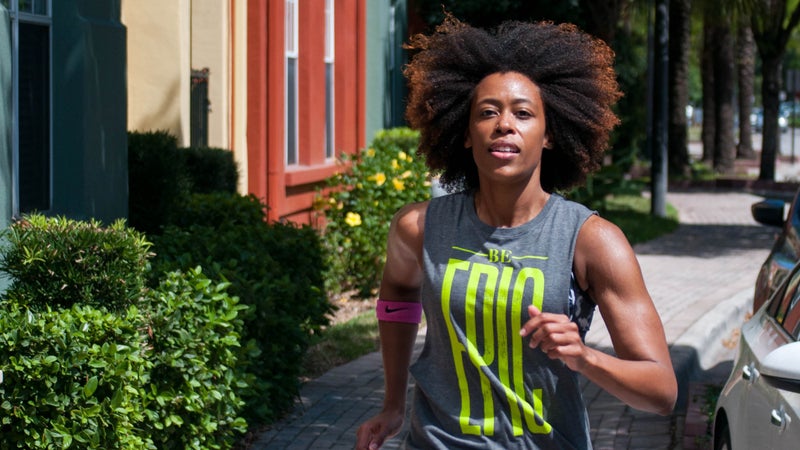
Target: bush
[608,182]
[60,262]
[157,180]
[360,204]
[210,170]
[87,374]
[71,377]
[192,399]
[161,176]
[274,269]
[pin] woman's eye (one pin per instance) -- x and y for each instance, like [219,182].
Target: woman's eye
[487,113]
[524,113]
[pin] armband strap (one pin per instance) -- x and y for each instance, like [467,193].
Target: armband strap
[407,312]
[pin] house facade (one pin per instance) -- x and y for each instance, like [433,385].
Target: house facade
[62,105]
[286,85]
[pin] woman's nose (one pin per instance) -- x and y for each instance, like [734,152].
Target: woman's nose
[503,124]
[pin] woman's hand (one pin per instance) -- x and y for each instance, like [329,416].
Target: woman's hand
[373,433]
[556,336]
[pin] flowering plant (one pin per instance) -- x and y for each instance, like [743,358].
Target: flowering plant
[359,203]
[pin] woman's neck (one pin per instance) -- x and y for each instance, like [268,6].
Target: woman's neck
[505,209]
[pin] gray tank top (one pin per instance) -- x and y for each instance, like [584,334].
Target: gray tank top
[478,384]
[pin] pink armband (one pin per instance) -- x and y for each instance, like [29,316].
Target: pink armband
[407,312]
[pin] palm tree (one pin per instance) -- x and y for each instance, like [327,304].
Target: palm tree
[679,44]
[745,70]
[772,24]
[718,89]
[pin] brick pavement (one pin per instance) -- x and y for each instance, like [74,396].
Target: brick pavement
[701,279]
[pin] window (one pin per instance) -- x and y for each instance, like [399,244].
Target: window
[786,305]
[292,42]
[30,135]
[329,86]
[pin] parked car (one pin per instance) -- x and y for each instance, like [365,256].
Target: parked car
[785,251]
[759,406]
[757,121]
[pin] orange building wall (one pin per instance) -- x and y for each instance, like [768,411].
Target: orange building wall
[289,191]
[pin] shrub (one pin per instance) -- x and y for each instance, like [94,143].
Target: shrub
[210,169]
[81,371]
[192,399]
[60,262]
[71,377]
[275,269]
[611,180]
[360,204]
[157,179]
[161,176]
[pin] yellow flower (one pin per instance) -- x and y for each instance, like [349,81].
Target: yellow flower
[353,219]
[395,166]
[359,185]
[402,155]
[379,178]
[406,174]
[339,205]
[370,152]
[398,184]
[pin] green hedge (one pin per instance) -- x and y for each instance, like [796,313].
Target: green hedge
[156,369]
[275,269]
[157,179]
[162,175]
[71,377]
[61,262]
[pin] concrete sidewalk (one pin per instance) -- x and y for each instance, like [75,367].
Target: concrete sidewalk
[701,279]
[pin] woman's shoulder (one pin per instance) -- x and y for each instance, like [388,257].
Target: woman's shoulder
[409,220]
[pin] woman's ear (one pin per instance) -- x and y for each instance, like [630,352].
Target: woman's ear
[467,140]
[547,142]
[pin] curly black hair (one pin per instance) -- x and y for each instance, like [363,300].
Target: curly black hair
[574,73]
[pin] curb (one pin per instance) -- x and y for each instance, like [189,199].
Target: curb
[706,335]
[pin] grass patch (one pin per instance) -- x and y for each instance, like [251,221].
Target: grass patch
[632,215]
[342,343]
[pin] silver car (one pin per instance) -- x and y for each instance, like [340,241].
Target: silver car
[759,406]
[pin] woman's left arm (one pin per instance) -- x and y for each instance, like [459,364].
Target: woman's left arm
[641,373]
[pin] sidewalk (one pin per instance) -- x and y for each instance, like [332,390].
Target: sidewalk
[701,279]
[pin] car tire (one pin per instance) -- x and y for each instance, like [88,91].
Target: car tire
[722,439]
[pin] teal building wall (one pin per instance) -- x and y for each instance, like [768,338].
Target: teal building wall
[5,119]
[385,89]
[89,110]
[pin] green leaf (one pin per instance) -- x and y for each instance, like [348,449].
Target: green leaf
[90,387]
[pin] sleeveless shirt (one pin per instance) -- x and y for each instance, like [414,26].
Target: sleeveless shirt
[477,382]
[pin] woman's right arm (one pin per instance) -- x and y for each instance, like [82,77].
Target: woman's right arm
[401,282]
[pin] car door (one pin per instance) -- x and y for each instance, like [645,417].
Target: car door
[785,414]
[773,403]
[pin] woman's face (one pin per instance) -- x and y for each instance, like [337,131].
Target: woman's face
[507,128]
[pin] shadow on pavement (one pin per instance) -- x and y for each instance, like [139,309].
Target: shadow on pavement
[708,241]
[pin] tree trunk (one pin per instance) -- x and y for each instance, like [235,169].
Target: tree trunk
[745,68]
[770,95]
[724,86]
[709,129]
[772,23]
[602,18]
[679,40]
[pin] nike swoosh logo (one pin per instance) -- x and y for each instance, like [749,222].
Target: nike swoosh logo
[391,310]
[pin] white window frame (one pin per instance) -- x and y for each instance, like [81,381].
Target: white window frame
[330,84]
[16,16]
[291,95]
